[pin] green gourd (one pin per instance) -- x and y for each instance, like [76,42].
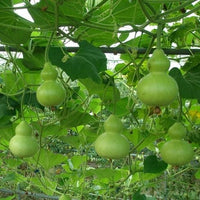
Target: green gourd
[112,144]
[177,151]
[157,88]
[23,144]
[50,92]
[177,131]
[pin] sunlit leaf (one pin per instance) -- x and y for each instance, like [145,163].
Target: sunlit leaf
[87,62]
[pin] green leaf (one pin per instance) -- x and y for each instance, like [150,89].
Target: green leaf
[107,93]
[181,33]
[120,107]
[78,161]
[197,174]
[47,159]
[8,108]
[126,12]
[142,137]
[29,98]
[138,196]
[13,178]
[192,61]
[188,84]
[141,41]
[105,35]
[6,132]
[87,62]
[97,37]
[112,174]
[89,133]
[76,118]
[13,28]
[4,110]
[153,165]
[70,13]
[72,9]
[5,3]
[8,198]
[12,82]
[95,105]
[17,1]
[52,130]
[45,184]
[72,140]
[33,60]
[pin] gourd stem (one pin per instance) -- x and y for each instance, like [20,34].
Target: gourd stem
[180,109]
[48,46]
[159,35]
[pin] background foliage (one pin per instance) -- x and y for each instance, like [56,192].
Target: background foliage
[67,162]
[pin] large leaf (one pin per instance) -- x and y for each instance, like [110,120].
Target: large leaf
[87,62]
[153,165]
[44,184]
[141,41]
[12,82]
[33,60]
[76,118]
[189,84]
[6,132]
[44,15]
[112,174]
[127,12]
[48,159]
[139,196]
[182,34]
[192,61]
[107,93]
[8,108]
[29,98]
[105,34]
[13,28]
[97,37]
[120,107]
[110,16]
[77,161]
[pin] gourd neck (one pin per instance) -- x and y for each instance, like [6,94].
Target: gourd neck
[158,62]
[49,72]
[23,129]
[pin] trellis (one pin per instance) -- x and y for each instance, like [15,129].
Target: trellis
[121,50]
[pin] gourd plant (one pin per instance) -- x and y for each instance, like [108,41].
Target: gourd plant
[50,92]
[23,144]
[112,144]
[177,151]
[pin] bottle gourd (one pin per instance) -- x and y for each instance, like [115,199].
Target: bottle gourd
[177,151]
[50,92]
[23,144]
[112,144]
[157,88]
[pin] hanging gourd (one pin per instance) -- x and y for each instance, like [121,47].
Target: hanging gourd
[50,92]
[157,88]
[177,151]
[112,144]
[23,144]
